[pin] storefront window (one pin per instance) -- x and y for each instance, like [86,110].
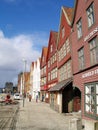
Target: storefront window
[91,99]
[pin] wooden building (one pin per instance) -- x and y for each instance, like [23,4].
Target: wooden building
[63,91]
[52,63]
[43,76]
[85,59]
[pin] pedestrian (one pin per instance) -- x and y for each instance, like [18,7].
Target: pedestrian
[42,98]
[36,98]
[30,97]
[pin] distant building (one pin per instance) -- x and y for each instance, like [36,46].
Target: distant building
[1,90]
[20,83]
[52,77]
[31,78]
[35,79]
[43,76]
[8,87]
[62,92]
[27,82]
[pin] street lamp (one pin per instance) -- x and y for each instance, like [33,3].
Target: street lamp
[24,70]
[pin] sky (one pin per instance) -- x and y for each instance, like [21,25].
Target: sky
[25,26]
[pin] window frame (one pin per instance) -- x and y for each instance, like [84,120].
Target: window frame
[93,50]
[90,15]
[92,107]
[81,59]
[79,28]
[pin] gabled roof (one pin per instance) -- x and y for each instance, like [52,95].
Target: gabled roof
[44,53]
[54,35]
[32,65]
[45,49]
[68,12]
[74,11]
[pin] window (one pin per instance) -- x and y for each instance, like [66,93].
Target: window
[67,46]
[64,50]
[48,76]
[90,15]
[65,71]
[56,72]
[64,47]
[91,99]
[81,58]
[48,63]
[55,57]
[63,32]
[79,28]
[69,68]
[93,51]
[45,70]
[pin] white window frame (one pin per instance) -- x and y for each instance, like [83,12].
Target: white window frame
[93,51]
[79,28]
[90,15]
[81,59]
[91,99]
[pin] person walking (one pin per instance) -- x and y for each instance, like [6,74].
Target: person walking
[36,98]
[42,98]
[30,97]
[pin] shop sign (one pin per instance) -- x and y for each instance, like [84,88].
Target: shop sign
[91,34]
[90,73]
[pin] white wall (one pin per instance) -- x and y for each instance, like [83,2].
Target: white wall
[36,78]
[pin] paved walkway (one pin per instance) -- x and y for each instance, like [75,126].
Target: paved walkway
[39,116]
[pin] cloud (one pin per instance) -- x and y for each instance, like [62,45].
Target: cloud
[13,50]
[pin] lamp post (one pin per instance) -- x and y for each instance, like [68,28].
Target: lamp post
[24,80]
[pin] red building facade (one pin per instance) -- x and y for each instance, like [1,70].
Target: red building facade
[85,58]
[52,62]
[62,92]
[43,77]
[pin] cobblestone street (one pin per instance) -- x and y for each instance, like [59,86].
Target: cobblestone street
[8,117]
[39,116]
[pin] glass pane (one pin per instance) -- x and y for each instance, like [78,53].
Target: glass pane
[97,109]
[96,88]
[97,99]
[87,99]
[87,108]
[87,90]
[92,89]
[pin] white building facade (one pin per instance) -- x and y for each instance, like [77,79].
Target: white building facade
[35,79]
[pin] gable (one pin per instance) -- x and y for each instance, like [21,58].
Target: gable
[43,56]
[52,44]
[78,10]
[65,25]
